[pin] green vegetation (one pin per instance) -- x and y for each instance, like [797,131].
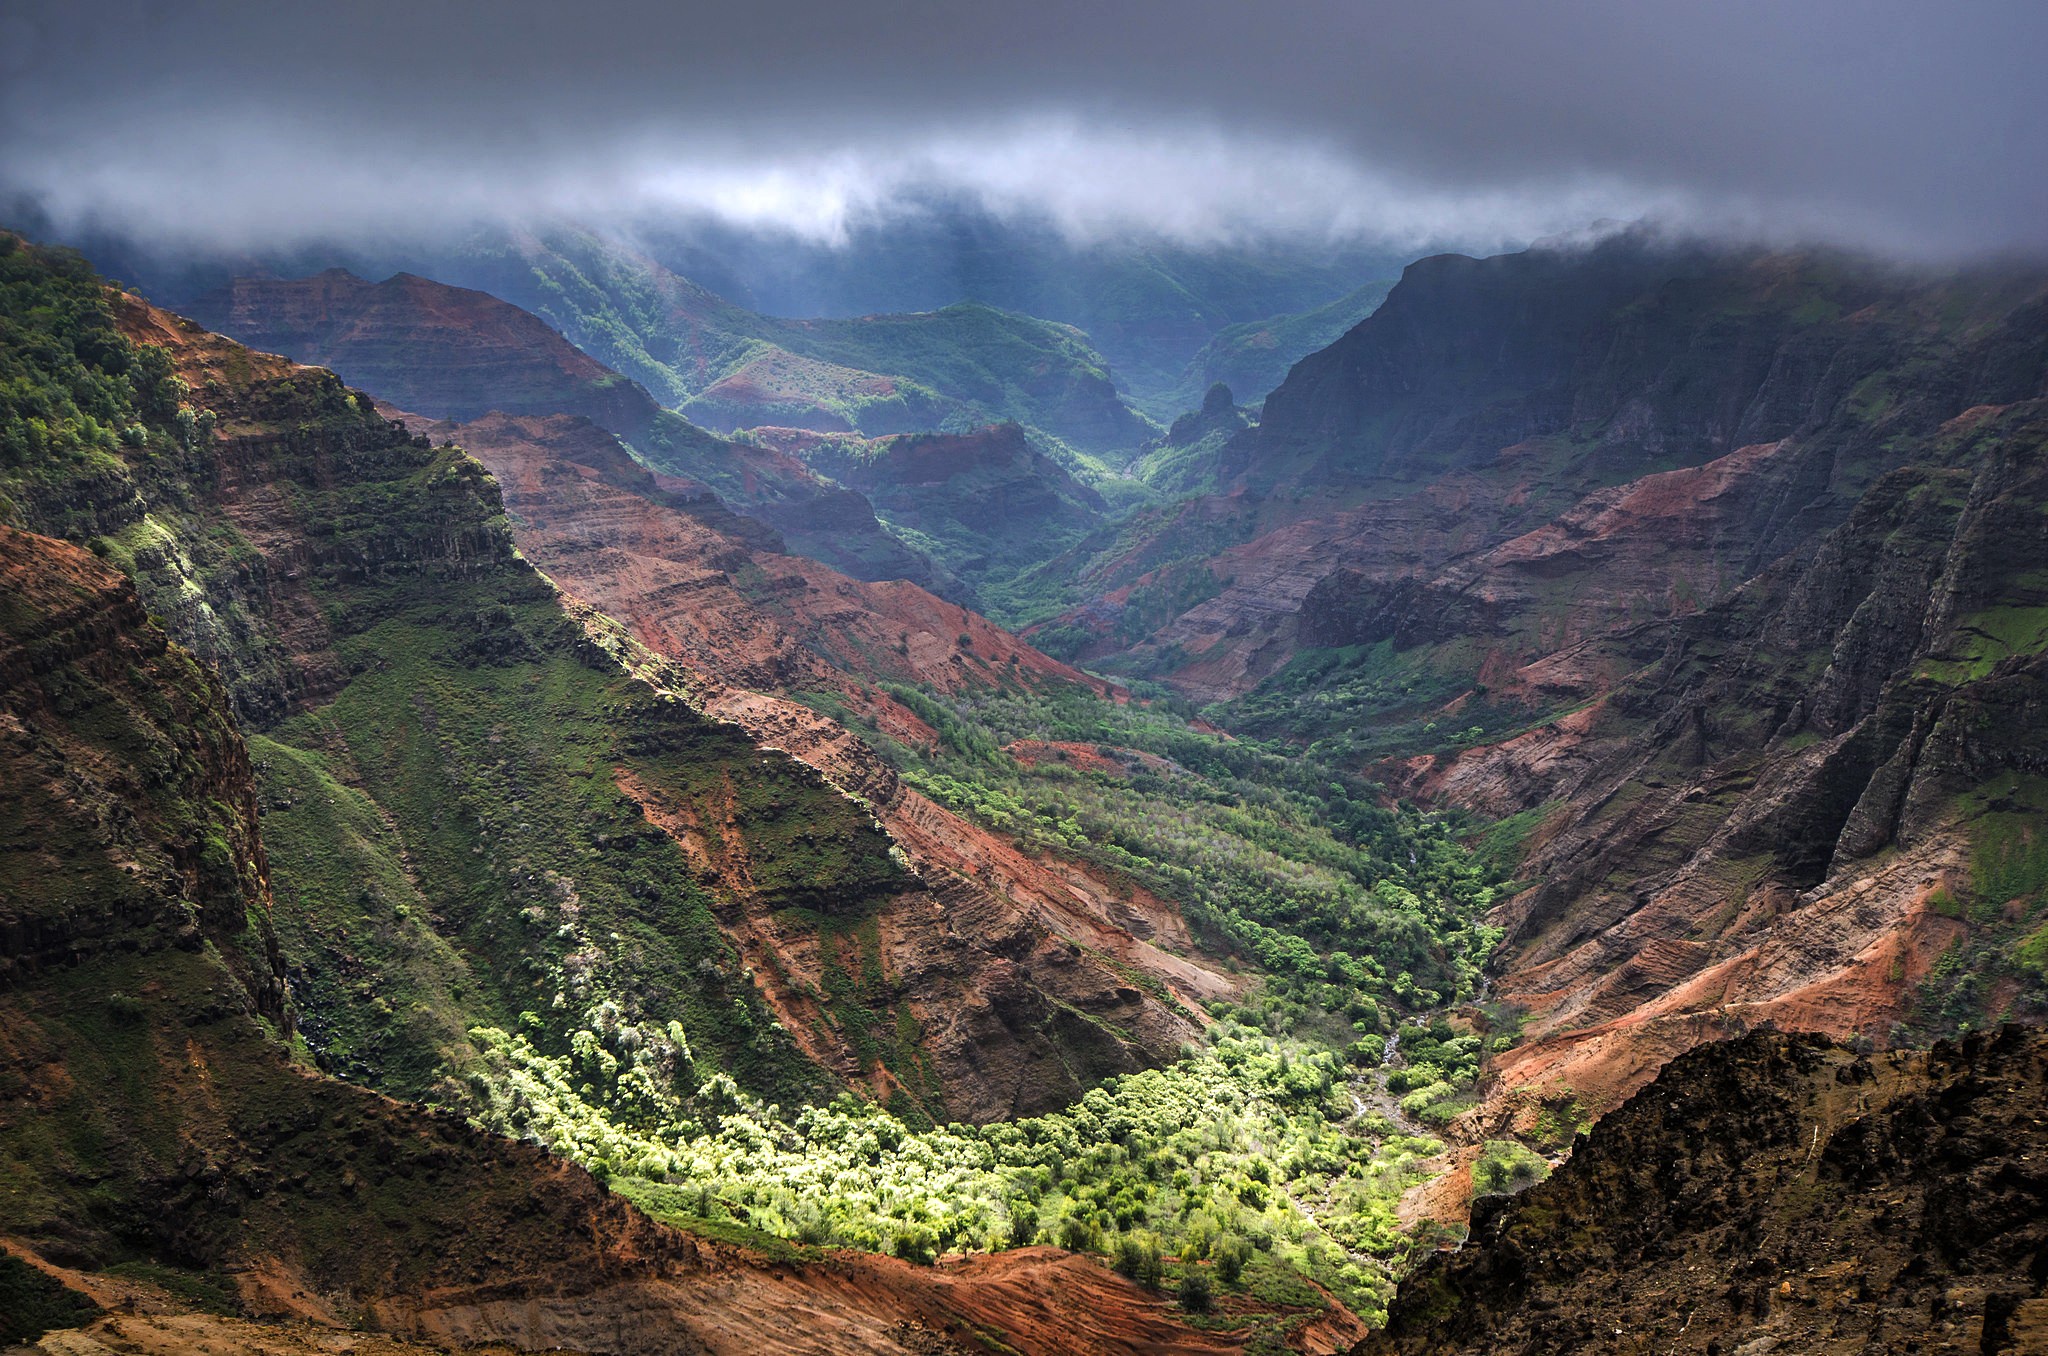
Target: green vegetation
[1250,1162]
[968,364]
[75,397]
[772,386]
[1188,459]
[502,752]
[1360,702]
[1992,635]
[1996,970]
[1440,1067]
[1349,907]
[1502,843]
[1250,1146]
[379,991]
[1506,1165]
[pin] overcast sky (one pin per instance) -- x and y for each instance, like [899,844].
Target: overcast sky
[1920,128]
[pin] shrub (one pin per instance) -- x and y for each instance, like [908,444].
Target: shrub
[1080,1234]
[1137,1257]
[914,1244]
[1505,1165]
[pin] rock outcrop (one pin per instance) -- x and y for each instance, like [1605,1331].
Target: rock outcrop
[1803,809]
[989,502]
[1775,1193]
[446,351]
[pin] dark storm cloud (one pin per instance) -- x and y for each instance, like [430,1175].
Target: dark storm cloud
[1917,127]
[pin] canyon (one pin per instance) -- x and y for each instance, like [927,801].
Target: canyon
[1694,550]
[389,745]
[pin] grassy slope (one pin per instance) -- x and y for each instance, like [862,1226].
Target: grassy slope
[149,1110]
[681,342]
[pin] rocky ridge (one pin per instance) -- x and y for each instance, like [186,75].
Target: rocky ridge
[321,1209]
[417,678]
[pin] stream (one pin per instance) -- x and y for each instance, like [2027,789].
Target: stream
[1369,1091]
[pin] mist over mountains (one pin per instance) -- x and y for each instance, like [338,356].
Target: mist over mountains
[1472,124]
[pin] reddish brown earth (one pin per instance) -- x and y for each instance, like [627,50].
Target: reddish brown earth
[1082,757]
[424,345]
[650,551]
[1789,844]
[710,1300]
[1418,567]
[999,943]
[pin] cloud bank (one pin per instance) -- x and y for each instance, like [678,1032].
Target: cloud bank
[1911,128]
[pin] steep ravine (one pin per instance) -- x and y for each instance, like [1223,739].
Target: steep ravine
[1811,805]
[151,1113]
[1714,572]
[426,719]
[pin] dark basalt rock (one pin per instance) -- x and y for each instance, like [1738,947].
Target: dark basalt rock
[1772,1193]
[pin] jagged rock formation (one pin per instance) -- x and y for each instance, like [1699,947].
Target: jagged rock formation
[1771,1194]
[1758,827]
[1183,461]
